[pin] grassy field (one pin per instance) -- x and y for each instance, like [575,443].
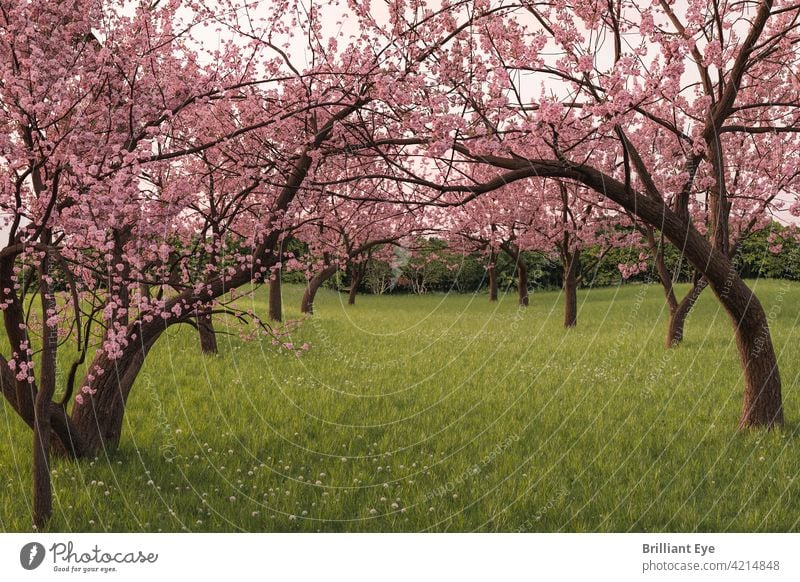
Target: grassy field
[442,413]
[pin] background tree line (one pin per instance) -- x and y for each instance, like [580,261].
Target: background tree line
[434,267]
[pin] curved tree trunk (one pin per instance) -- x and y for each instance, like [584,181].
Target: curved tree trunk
[208,337]
[98,419]
[23,395]
[572,265]
[678,311]
[95,422]
[664,276]
[677,318]
[275,298]
[762,404]
[307,303]
[66,440]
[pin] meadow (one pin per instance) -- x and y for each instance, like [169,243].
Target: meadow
[441,413]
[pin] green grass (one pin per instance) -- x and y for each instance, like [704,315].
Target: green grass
[468,416]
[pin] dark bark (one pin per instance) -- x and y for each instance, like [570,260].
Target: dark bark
[762,405]
[762,402]
[677,318]
[24,392]
[42,427]
[351,295]
[275,298]
[208,337]
[719,207]
[678,311]
[42,487]
[307,303]
[356,276]
[66,441]
[205,319]
[522,284]
[572,266]
[492,277]
[100,421]
[664,276]
[521,271]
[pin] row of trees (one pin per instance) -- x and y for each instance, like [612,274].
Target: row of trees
[155,173]
[433,266]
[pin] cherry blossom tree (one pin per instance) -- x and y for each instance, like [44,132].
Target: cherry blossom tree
[82,105]
[153,177]
[643,103]
[156,179]
[757,192]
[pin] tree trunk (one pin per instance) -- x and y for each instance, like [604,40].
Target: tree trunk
[42,428]
[521,271]
[572,265]
[24,393]
[358,273]
[719,207]
[762,403]
[307,303]
[99,419]
[275,298]
[42,486]
[678,312]
[208,337]
[664,275]
[522,282]
[677,318]
[492,277]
